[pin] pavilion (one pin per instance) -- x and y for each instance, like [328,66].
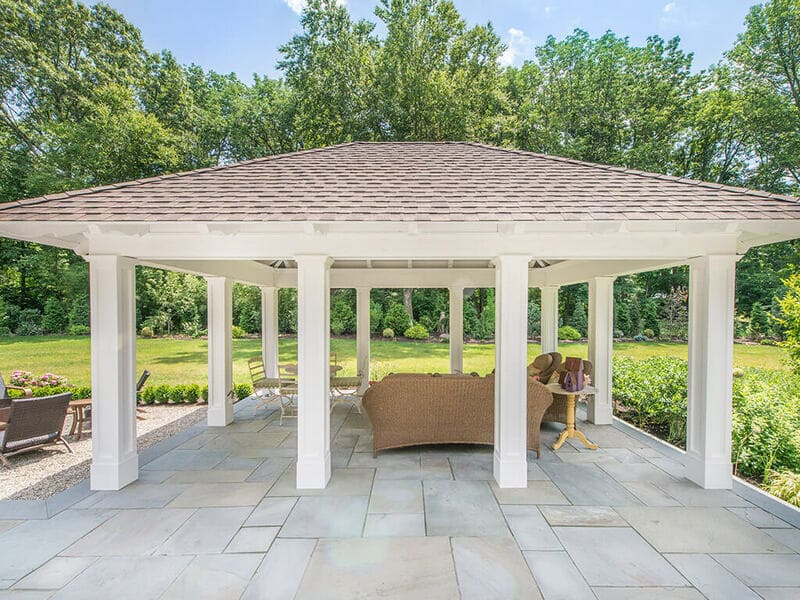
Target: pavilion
[448,215]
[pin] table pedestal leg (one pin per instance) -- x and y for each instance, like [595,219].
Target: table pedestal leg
[570,431]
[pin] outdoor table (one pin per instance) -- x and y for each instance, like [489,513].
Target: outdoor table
[78,416]
[571,431]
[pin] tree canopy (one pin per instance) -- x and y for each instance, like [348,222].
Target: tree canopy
[84,103]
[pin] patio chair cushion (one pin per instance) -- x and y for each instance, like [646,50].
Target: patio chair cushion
[33,441]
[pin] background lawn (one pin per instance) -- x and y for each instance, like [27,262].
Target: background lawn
[184,360]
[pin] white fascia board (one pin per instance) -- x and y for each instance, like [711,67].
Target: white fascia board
[657,239]
[551,245]
[244,271]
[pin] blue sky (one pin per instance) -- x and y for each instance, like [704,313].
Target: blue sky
[243,35]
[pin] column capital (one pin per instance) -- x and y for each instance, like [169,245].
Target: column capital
[314,259]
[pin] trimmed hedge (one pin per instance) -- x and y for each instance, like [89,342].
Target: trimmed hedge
[651,394]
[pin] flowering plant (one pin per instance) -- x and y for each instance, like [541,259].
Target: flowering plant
[26,379]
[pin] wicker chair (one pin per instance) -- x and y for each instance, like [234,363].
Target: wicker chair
[557,413]
[347,390]
[32,423]
[413,410]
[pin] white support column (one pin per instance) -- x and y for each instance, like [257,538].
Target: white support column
[362,334]
[220,351]
[115,462]
[511,382]
[456,329]
[549,318]
[313,355]
[601,340]
[269,330]
[711,311]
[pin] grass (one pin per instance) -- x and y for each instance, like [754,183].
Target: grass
[185,360]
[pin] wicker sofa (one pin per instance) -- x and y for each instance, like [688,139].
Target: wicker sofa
[411,410]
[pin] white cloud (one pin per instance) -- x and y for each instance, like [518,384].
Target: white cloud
[519,47]
[298,6]
[673,13]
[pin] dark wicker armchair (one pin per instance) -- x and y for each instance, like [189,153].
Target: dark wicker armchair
[32,423]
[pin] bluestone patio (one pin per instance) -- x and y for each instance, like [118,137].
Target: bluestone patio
[216,514]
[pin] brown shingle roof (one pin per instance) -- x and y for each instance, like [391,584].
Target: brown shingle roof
[449,181]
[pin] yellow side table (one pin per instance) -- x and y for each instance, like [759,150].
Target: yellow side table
[571,431]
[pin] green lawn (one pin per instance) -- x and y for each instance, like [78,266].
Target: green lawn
[184,360]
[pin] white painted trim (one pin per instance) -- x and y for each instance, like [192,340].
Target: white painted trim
[220,352]
[511,377]
[549,318]
[269,330]
[601,340]
[363,335]
[313,374]
[456,329]
[710,399]
[112,282]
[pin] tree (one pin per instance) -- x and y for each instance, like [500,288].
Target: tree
[332,66]
[437,78]
[765,59]
[759,321]
[579,319]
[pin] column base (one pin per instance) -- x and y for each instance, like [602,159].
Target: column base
[709,475]
[313,474]
[599,414]
[220,416]
[511,473]
[113,476]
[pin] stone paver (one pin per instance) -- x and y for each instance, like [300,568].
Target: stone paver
[398,568]
[216,514]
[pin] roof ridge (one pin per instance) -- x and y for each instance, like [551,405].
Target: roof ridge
[640,173]
[143,180]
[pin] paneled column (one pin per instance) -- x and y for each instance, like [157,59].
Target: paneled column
[313,357]
[115,462]
[269,330]
[220,351]
[362,334]
[549,318]
[511,382]
[601,340]
[711,310]
[456,329]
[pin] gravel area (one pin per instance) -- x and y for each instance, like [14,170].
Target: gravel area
[42,473]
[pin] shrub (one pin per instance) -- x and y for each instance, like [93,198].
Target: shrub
[388,332]
[29,322]
[148,332]
[190,328]
[652,393]
[343,319]
[177,393]
[640,338]
[375,317]
[28,380]
[396,318]
[786,486]
[162,393]
[149,395]
[534,320]
[618,333]
[192,393]
[204,393]
[242,390]
[79,312]
[416,332]
[567,332]
[81,392]
[579,319]
[766,419]
[649,333]
[54,319]
[759,321]
[237,332]
[79,330]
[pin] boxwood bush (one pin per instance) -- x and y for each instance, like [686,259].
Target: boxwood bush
[567,332]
